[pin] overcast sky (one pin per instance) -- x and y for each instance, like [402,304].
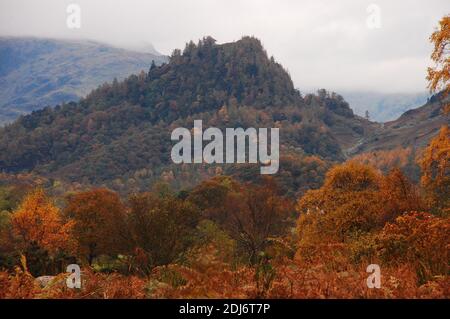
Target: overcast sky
[322,43]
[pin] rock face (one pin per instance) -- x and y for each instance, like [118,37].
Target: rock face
[39,72]
[43,281]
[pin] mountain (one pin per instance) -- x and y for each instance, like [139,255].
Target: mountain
[414,129]
[119,134]
[383,107]
[38,72]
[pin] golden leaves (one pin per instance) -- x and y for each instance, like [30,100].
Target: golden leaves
[439,76]
[435,164]
[38,220]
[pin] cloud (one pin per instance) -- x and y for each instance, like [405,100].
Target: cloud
[322,43]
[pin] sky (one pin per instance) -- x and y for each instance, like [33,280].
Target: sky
[346,45]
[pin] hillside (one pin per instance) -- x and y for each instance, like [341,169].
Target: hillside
[383,107]
[119,134]
[413,128]
[39,72]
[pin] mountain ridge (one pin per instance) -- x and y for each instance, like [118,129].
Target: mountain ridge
[414,128]
[383,107]
[36,72]
[119,134]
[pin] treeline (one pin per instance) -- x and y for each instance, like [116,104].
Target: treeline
[203,78]
[149,230]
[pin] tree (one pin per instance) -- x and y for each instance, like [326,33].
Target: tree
[10,196]
[251,214]
[153,65]
[255,215]
[211,197]
[38,220]
[399,194]
[40,230]
[417,238]
[162,227]
[435,164]
[346,206]
[438,76]
[99,223]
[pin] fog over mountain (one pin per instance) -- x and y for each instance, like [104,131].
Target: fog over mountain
[383,107]
[323,44]
[37,72]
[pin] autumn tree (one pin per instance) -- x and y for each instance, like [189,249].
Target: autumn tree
[435,164]
[40,229]
[99,223]
[399,194]
[256,214]
[211,196]
[162,227]
[347,204]
[439,76]
[420,239]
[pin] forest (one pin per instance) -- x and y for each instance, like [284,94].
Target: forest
[230,239]
[80,185]
[119,135]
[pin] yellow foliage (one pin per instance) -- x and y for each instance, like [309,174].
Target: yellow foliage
[435,164]
[38,220]
[385,159]
[438,77]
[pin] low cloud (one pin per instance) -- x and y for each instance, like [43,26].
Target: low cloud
[322,43]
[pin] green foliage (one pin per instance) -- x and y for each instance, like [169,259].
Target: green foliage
[10,197]
[162,228]
[210,233]
[119,135]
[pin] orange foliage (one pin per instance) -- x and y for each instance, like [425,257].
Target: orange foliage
[358,217]
[399,195]
[294,280]
[435,164]
[348,204]
[438,77]
[94,286]
[207,277]
[255,214]
[99,223]
[38,220]
[384,160]
[348,213]
[418,239]
[355,199]
[20,285]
